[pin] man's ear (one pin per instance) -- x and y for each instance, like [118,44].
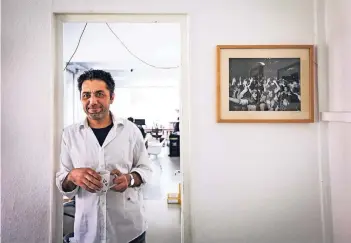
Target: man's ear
[112,98]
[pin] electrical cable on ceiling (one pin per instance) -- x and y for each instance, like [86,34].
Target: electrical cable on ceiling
[80,38]
[146,63]
[136,55]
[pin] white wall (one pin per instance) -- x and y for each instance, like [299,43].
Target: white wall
[338,34]
[26,120]
[256,183]
[338,39]
[0,124]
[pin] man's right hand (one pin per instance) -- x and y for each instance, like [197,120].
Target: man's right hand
[86,178]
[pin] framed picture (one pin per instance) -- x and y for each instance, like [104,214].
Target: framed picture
[265,83]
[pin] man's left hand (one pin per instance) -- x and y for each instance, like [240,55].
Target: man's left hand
[121,181]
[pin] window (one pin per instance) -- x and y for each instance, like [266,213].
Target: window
[154,104]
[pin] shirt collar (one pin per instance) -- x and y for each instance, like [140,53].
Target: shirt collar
[115,120]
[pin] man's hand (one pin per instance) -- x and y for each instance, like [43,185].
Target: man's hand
[86,178]
[121,182]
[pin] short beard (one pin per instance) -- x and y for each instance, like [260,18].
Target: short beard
[97,116]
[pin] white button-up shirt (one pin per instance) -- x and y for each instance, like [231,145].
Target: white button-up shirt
[113,217]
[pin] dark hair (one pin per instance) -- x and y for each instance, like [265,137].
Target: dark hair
[131,119]
[98,75]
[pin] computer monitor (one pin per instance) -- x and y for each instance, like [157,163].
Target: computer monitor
[139,122]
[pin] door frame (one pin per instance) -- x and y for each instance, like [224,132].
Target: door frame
[184,111]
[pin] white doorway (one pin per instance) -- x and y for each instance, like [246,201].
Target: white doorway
[122,74]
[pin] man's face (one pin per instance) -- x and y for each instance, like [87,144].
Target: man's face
[95,98]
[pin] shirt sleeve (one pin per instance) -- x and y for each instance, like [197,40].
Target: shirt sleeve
[141,162]
[66,166]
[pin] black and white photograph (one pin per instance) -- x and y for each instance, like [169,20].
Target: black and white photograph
[264,84]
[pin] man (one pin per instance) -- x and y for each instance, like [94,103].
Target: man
[103,141]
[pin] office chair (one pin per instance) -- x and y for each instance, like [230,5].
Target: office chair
[69,209]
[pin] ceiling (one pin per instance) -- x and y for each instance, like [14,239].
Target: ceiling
[157,44]
[129,78]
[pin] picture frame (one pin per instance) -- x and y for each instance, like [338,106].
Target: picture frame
[265,83]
